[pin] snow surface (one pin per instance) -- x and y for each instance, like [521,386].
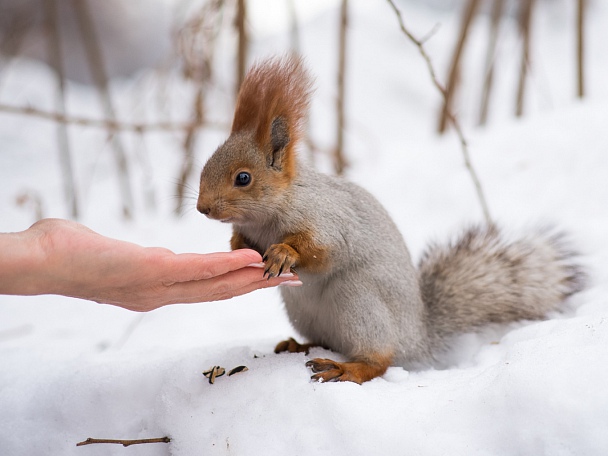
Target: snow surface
[73,369]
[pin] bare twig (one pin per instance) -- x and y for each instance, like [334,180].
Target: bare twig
[15,23]
[294,27]
[452,118]
[580,47]
[98,72]
[339,159]
[33,199]
[107,124]
[525,16]
[189,142]
[454,74]
[496,16]
[243,43]
[65,159]
[196,46]
[124,443]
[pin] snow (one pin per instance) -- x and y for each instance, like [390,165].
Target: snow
[73,369]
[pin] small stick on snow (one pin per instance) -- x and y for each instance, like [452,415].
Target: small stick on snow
[124,443]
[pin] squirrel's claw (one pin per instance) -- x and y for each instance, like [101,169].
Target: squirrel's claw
[325,370]
[279,258]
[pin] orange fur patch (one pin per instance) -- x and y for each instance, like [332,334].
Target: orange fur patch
[237,241]
[312,256]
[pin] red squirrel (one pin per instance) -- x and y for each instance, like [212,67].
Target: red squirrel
[361,295]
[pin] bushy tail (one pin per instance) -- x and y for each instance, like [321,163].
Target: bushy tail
[482,278]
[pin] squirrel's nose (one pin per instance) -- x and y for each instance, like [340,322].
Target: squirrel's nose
[203,209]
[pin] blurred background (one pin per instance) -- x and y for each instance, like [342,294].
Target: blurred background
[109,109]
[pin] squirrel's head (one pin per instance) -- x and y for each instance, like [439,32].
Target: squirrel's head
[244,183]
[245,180]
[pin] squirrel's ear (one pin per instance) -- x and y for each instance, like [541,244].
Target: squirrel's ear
[279,139]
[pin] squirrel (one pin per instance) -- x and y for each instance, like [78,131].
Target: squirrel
[361,295]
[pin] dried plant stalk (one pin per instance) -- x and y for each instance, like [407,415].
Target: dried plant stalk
[580,47]
[451,117]
[196,45]
[339,159]
[525,18]
[496,16]
[243,43]
[454,73]
[294,28]
[63,142]
[98,72]
[107,124]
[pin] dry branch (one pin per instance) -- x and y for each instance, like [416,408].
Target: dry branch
[496,16]
[107,124]
[124,443]
[525,18]
[189,143]
[454,74]
[451,117]
[580,47]
[243,43]
[196,46]
[100,78]
[63,141]
[294,27]
[339,159]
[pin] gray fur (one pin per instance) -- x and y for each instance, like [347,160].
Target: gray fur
[373,300]
[369,302]
[484,278]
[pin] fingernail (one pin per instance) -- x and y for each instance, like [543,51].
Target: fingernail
[292,283]
[286,274]
[256,265]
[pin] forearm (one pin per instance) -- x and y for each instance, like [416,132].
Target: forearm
[21,264]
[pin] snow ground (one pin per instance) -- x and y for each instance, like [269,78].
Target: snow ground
[72,370]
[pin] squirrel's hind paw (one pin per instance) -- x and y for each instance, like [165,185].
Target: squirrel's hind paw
[292,346]
[326,370]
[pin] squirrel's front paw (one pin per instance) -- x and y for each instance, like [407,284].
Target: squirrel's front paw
[279,258]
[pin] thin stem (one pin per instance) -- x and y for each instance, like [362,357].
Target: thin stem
[580,47]
[339,160]
[108,124]
[451,117]
[63,140]
[100,78]
[454,73]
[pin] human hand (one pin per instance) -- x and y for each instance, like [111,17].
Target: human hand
[80,263]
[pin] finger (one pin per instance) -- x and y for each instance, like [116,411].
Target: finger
[259,285]
[228,285]
[187,267]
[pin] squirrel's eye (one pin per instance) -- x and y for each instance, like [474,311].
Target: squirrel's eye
[242,179]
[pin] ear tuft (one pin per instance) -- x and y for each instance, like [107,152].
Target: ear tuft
[273,103]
